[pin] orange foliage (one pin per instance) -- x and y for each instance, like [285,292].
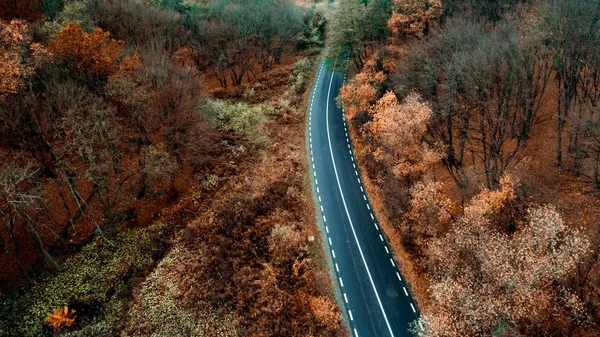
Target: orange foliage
[61,317]
[130,64]
[18,56]
[489,201]
[324,310]
[361,92]
[429,208]
[400,129]
[485,279]
[94,52]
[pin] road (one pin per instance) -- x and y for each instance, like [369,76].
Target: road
[372,289]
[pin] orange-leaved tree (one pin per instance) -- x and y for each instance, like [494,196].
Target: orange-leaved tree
[18,56]
[61,317]
[400,130]
[96,52]
[358,95]
[486,281]
[413,18]
[429,210]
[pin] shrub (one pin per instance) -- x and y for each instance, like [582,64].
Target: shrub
[300,75]
[61,317]
[242,118]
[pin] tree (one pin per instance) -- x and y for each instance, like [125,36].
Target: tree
[413,18]
[362,91]
[30,10]
[486,281]
[96,53]
[142,25]
[21,201]
[19,57]
[429,212]
[493,10]
[61,317]
[574,33]
[400,130]
[358,27]
[486,88]
[234,36]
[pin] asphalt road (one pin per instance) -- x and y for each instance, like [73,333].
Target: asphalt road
[373,291]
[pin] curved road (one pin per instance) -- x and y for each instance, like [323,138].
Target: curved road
[374,294]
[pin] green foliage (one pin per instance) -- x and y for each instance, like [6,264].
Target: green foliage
[300,75]
[73,11]
[95,282]
[52,7]
[240,117]
[358,27]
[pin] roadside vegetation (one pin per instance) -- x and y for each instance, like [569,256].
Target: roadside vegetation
[152,169]
[476,128]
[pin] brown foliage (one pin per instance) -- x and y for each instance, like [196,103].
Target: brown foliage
[260,267]
[29,10]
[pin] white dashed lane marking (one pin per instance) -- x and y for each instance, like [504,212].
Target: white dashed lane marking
[405,292]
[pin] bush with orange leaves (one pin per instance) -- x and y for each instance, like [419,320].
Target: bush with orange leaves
[61,317]
[96,52]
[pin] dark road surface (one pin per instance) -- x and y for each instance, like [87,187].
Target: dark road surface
[373,291]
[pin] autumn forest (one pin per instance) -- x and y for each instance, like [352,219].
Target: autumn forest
[154,177]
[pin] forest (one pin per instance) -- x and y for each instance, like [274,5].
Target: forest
[476,125]
[154,180]
[152,169]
